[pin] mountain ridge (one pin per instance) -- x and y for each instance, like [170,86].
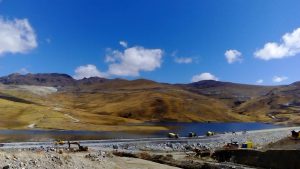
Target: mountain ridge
[17,78]
[107,103]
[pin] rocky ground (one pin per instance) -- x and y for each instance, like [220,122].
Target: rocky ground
[260,138]
[102,154]
[53,159]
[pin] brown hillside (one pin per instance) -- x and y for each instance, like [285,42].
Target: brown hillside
[116,104]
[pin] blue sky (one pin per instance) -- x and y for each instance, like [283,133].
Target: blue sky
[244,41]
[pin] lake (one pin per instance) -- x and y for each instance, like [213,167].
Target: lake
[181,128]
[201,128]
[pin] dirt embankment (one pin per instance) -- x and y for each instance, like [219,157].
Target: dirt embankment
[281,154]
[275,159]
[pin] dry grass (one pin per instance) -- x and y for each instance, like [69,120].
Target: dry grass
[112,106]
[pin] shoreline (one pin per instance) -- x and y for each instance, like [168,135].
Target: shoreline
[44,135]
[272,135]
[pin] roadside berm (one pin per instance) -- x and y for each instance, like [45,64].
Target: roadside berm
[275,159]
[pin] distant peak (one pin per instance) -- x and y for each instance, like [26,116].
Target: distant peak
[296,83]
[54,74]
[144,80]
[15,74]
[91,80]
[42,79]
[209,82]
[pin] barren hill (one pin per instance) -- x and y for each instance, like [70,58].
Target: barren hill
[61,102]
[51,79]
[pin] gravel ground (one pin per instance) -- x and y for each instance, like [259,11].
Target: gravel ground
[45,155]
[62,159]
[260,138]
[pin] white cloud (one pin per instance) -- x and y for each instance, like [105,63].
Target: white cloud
[113,55]
[23,71]
[16,36]
[278,79]
[181,60]
[233,55]
[259,81]
[124,44]
[184,60]
[204,76]
[133,60]
[290,46]
[87,71]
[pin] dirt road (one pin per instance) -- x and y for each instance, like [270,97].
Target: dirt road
[259,137]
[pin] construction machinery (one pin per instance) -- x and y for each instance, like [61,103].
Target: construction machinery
[296,134]
[173,135]
[80,148]
[210,133]
[248,144]
[232,145]
[192,134]
[59,142]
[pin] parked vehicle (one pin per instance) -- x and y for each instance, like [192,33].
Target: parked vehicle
[232,145]
[192,134]
[295,134]
[173,135]
[248,144]
[210,133]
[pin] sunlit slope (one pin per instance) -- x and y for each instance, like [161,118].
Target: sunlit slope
[280,105]
[145,105]
[95,108]
[233,94]
[118,104]
[47,112]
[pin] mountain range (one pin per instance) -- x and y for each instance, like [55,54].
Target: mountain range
[57,101]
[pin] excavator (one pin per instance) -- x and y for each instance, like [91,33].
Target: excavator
[80,148]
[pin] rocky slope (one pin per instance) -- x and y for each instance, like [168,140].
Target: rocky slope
[51,79]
